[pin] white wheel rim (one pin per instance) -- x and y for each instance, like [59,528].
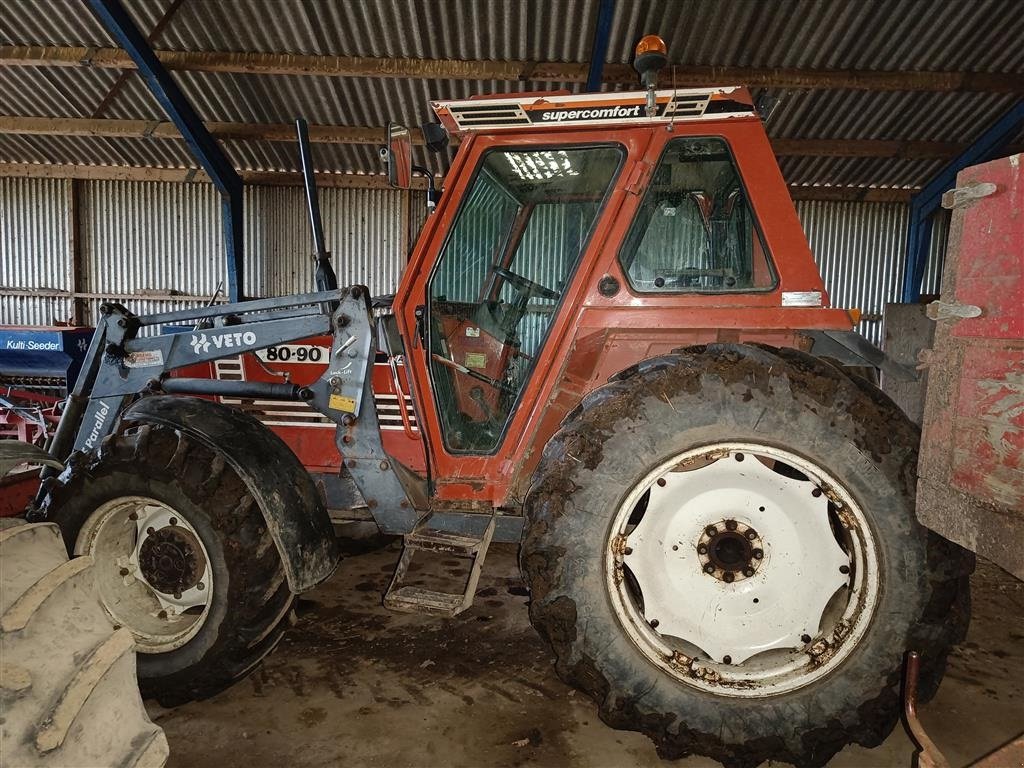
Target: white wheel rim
[152,570]
[737,579]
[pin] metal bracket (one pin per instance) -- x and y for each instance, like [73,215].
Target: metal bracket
[850,348]
[961,196]
[951,310]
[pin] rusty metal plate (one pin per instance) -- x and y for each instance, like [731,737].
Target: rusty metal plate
[971,485]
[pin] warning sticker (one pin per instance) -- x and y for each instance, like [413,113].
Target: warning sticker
[147,359]
[476,360]
[342,403]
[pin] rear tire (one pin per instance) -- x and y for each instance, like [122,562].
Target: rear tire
[220,602]
[68,691]
[621,437]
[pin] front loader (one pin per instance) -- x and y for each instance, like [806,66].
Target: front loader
[611,345]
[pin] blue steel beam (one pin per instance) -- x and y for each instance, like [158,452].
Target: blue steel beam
[925,203]
[599,49]
[204,148]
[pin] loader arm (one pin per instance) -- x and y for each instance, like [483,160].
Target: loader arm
[123,365]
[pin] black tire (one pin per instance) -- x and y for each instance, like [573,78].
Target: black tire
[251,603]
[68,692]
[706,395]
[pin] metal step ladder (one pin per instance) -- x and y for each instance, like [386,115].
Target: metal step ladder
[413,599]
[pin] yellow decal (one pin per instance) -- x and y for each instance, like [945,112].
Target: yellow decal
[476,360]
[341,403]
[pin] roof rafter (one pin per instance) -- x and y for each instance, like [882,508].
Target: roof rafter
[360,181]
[164,129]
[343,134]
[516,71]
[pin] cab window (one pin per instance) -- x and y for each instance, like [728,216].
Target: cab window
[695,230]
[501,275]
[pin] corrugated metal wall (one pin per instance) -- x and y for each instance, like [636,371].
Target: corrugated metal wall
[156,238]
[860,249]
[362,230]
[144,240]
[35,252]
[154,245]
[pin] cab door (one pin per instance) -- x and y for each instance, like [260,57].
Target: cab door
[482,311]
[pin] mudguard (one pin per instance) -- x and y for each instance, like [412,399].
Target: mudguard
[283,489]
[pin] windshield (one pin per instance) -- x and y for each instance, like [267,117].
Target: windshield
[509,258]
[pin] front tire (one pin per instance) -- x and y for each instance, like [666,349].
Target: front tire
[698,482]
[183,557]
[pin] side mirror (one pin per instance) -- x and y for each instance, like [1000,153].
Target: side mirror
[434,136]
[398,156]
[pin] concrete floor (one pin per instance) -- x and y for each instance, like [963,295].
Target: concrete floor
[356,685]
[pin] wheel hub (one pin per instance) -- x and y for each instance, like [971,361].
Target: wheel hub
[154,574]
[171,560]
[742,569]
[730,551]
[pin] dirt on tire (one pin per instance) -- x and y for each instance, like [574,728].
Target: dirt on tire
[716,393]
[251,603]
[68,694]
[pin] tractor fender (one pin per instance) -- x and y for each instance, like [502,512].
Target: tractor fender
[291,505]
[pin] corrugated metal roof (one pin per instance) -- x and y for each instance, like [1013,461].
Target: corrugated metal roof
[886,35]
[872,35]
[95,150]
[54,92]
[883,35]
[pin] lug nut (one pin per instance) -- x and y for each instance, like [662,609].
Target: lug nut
[709,568]
[728,577]
[133,516]
[730,524]
[662,482]
[805,638]
[702,549]
[675,547]
[654,623]
[627,551]
[173,521]
[162,615]
[748,571]
[711,530]
[844,569]
[727,659]
[758,554]
[751,534]
[200,585]
[125,571]
[816,492]
[150,531]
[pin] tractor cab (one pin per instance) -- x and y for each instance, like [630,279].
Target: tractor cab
[664,206]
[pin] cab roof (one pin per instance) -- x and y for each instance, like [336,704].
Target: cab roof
[561,109]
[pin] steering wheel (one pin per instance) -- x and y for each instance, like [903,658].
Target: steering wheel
[526,286]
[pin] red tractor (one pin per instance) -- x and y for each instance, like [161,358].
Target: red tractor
[612,346]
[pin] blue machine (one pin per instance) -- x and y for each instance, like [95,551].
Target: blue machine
[42,358]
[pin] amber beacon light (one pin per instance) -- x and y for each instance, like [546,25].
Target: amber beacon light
[651,55]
